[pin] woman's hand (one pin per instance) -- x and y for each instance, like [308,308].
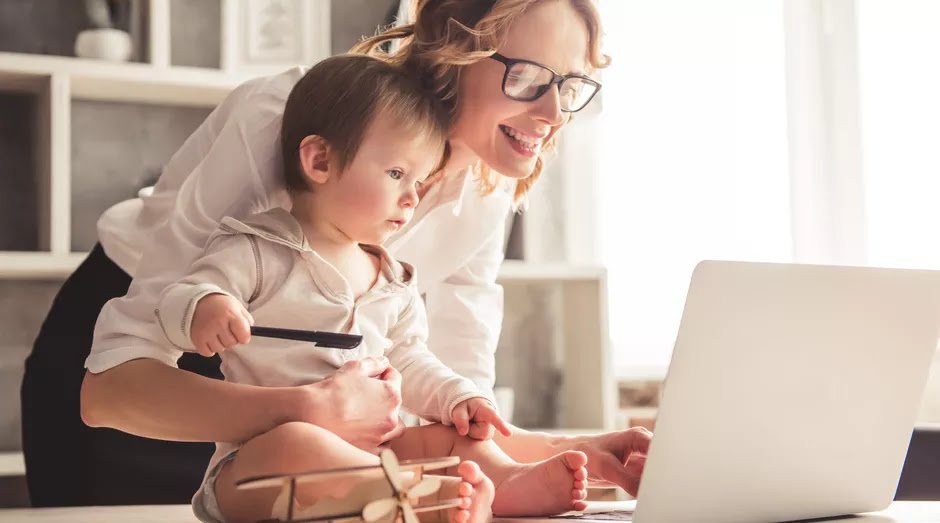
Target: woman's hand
[616,457]
[220,322]
[360,402]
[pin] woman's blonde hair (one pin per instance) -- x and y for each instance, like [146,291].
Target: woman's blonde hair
[449,34]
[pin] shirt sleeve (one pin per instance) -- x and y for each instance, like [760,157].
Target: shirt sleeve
[228,267]
[465,313]
[239,174]
[430,389]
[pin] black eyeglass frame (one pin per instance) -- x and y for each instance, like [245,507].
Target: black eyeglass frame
[556,79]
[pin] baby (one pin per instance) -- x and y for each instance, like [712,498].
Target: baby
[359,138]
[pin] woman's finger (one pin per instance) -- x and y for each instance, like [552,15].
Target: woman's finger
[634,440]
[391,375]
[635,465]
[610,469]
[394,433]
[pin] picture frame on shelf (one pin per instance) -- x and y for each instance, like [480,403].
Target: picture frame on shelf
[269,36]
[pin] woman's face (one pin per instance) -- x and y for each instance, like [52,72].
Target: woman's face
[506,134]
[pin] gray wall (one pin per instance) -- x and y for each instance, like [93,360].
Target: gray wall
[48,26]
[353,19]
[41,26]
[193,40]
[18,198]
[118,148]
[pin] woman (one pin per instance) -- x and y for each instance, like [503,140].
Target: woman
[510,71]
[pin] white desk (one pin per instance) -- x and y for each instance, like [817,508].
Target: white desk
[901,512]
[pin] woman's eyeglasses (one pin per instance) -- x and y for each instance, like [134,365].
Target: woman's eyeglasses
[526,81]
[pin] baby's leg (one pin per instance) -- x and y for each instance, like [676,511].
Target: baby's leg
[300,447]
[420,442]
[522,489]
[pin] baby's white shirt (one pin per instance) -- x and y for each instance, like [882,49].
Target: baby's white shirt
[266,263]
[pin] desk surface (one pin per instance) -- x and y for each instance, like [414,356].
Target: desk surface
[901,512]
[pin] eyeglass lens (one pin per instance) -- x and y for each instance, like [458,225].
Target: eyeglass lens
[525,81]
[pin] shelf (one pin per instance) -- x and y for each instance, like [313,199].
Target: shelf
[38,265]
[12,464]
[122,82]
[515,271]
[43,264]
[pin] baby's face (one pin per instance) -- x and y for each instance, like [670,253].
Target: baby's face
[377,193]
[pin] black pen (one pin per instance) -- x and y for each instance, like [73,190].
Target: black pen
[333,340]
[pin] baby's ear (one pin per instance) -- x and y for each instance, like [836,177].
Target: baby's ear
[315,158]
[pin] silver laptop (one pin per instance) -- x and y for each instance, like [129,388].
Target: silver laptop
[791,394]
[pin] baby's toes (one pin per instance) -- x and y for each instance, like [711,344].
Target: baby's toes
[460,516]
[575,460]
[581,474]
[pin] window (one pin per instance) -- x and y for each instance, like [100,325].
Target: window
[694,159]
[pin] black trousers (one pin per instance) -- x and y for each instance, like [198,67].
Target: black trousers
[68,463]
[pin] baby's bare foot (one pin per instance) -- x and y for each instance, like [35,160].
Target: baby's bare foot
[475,492]
[549,487]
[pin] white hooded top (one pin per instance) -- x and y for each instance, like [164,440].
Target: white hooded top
[266,263]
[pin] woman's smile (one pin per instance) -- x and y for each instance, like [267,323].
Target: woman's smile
[524,144]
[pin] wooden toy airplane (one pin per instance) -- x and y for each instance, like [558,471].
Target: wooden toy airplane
[383,496]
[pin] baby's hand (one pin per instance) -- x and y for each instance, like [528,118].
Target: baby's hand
[477,418]
[220,322]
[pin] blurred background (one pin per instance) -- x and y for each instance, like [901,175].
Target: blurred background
[768,130]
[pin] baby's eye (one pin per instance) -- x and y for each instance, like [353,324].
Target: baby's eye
[395,174]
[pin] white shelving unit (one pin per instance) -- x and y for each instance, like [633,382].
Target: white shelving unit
[57,81]
[587,399]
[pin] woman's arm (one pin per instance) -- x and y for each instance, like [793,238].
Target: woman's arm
[359,402]
[154,400]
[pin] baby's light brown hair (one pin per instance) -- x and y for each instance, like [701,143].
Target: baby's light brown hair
[339,97]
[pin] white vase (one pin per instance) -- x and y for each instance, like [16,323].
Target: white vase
[112,45]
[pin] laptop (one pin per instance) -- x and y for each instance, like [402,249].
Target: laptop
[791,394]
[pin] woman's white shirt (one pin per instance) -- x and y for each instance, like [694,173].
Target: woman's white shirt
[231,166]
